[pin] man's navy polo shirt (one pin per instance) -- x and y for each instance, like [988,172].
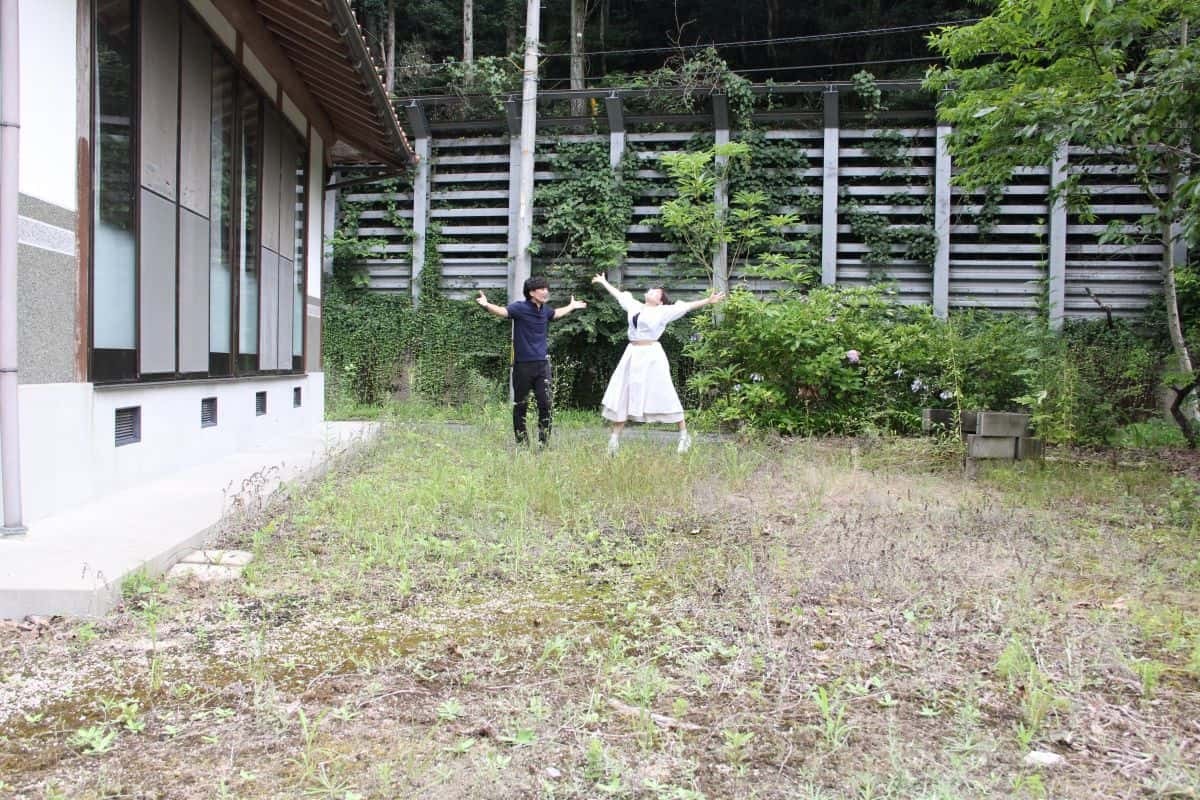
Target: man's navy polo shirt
[529,329]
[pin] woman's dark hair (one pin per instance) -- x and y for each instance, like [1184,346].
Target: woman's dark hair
[663,297]
[532,284]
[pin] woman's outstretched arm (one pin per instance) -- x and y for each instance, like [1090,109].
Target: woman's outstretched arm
[712,299]
[603,281]
[677,310]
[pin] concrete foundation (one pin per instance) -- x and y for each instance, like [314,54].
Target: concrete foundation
[73,562]
[1004,447]
[1029,447]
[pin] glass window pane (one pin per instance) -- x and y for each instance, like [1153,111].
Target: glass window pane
[221,210]
[114,251]
[248,267]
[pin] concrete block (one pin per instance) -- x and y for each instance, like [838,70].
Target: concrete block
[1004,447]
[969,421]
[226,558]
[1002,423]
[1030,448]
[936,419]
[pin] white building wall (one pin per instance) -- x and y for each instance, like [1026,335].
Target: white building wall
[48,75]
[68,454]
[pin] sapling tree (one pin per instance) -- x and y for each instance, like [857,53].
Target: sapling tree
[695,221]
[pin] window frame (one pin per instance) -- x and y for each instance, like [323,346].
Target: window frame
[242,81]
[128,373]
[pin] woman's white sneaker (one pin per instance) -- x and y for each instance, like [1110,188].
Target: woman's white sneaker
[685,442]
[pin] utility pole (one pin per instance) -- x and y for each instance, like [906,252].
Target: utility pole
[389,57]
[468,31]
[529,79]
[578,17]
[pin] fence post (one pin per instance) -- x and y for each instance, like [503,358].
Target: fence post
[720,262]
[420,214]
[616,151]
[829,189]
[1058,239]
[941,224]
[330,224]
[423,151]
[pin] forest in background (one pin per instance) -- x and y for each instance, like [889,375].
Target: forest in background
[808,41]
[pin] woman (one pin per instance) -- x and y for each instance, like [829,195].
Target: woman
[641,389]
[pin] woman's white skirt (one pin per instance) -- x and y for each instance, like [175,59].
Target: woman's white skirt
[641,389]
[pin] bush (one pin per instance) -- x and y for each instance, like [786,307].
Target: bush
[783,364]
[1091,381]
[443,351]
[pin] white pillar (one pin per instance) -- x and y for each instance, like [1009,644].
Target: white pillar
[829,190]
[720,262]
[514,191]
[423,150]
[330,222]
[616,152]
[1058,239]
[529,86]
[941,225]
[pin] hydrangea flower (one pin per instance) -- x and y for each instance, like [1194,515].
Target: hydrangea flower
[917,385]
[852,356]
[946,394]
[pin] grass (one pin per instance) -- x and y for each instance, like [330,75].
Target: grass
[447,616]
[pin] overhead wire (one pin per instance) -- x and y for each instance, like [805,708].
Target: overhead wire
[841,64]
[814,37]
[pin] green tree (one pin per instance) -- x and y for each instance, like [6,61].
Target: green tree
[1037,75]
[699,226]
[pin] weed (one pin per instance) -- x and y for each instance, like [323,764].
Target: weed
[735,747]
[1150,672]
[834,730]
[462,745]
[519,737]
[450,710]
[86,633]
[595,765]
[93,740]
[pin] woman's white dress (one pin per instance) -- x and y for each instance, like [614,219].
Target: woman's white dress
[641,389]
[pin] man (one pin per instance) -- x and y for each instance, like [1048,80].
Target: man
[531,367]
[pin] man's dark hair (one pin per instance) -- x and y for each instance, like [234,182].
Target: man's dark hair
[534,283]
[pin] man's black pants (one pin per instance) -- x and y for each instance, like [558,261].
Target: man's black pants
[528,375]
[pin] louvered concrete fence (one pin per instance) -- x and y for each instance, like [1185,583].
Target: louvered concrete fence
[1020,250]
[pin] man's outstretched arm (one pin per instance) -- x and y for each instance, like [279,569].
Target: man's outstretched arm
[499,311]
[559,313]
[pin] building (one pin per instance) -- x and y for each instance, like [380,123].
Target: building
[168,230]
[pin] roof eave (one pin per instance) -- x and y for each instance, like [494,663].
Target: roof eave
[362,63]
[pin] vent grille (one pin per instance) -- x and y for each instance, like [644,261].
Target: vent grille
[208,412]
[260,403]
[297,400]
[128,428]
